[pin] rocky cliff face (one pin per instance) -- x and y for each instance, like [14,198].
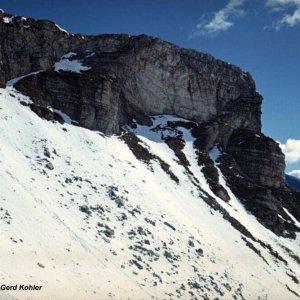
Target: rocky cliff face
[140,75]
[252,150]
[105,82]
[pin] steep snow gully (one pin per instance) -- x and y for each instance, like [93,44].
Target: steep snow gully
[87,216]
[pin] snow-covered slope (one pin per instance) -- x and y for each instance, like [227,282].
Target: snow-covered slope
[83,217]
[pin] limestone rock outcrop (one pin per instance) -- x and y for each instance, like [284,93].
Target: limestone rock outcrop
[150,76]
[261,159]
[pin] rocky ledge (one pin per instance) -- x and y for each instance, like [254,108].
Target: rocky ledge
[107,81]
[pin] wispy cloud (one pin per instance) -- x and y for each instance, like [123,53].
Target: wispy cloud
[291,149]
[290,18]
[287,11]
[295,173]
[221,20]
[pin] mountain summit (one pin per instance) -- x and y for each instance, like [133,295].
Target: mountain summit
[132,168]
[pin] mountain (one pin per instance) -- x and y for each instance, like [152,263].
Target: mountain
[132,168]
[293,182]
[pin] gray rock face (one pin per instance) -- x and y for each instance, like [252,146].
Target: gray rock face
[93,101]
[152,76]
[134,77]
[260,157]
[127,83]
[28,45]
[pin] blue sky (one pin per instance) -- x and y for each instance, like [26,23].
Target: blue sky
[260,36]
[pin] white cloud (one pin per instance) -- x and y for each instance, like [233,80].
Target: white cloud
[288,12]
[295,173]
[290,19]
[291,149]
[222,20]
[278,3]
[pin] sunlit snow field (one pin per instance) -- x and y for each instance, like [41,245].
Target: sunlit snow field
[83,217]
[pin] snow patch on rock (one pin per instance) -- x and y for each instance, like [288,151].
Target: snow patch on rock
[61,29]
[8,20]
[65,64]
